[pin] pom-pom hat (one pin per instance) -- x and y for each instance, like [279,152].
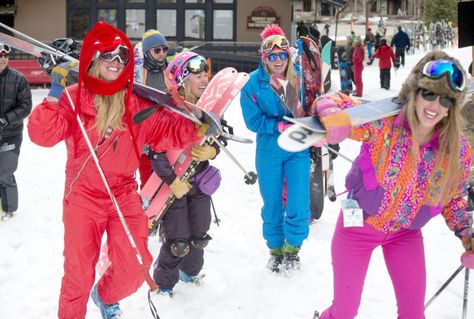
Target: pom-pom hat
[273,36]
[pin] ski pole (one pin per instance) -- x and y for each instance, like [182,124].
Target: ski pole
[146,274]
[250,177]
[440,290]
[469,236]
[337,153]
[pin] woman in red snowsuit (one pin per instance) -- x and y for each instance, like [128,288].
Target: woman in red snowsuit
[358,66]
[104,104]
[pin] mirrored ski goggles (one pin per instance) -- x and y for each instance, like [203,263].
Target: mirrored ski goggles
[272,57]
[196,64]
[120,53]
[274,40]
[437,68]
[443,100]
[5,48]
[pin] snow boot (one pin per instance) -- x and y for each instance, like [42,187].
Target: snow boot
[316,315]
[107,311]
[291,259]
[197,280]
[276,260]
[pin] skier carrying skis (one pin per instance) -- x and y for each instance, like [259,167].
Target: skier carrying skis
[284,228]
[15,106]
[398,194]
[150,70]
[188,219]
[104,102]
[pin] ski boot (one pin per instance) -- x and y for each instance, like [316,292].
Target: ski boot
[196,280]
[165,292]
[276,260]
[291,259]
[316,315]
[107,311]
[5,215]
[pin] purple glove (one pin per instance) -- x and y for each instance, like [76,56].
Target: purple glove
[282,126]
[467,260]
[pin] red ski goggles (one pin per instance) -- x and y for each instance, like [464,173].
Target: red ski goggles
[436,69]
[120,53]
[274,40]
[4,48]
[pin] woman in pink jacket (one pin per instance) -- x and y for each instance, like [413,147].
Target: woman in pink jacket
[104,102]
[358,66]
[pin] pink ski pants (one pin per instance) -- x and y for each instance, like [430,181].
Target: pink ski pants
[404,256]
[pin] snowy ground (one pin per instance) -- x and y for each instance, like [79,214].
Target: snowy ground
[237,284]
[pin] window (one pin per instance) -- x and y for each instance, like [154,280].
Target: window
[107,15]
[134,23]
[79,19]
[306,5]
[79,1]
[136,1]
[223,24]
[194,1]
[194,24]
[223,1]
[166,1]
[106,1]
[166,22]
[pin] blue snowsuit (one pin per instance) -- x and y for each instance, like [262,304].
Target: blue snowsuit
[262,110]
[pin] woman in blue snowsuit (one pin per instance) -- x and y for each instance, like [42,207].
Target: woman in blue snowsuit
[284,226]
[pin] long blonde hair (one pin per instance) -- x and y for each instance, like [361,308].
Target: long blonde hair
[110,109]
[449,129]
[290,73]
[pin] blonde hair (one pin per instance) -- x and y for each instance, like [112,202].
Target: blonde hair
[449,129]
[290,73]
[110,109]
[185,92]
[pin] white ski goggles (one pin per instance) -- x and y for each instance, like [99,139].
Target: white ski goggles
[5,48]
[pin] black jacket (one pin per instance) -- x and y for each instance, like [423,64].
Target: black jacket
[400,40]
[15,101]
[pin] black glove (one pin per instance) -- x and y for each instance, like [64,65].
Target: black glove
[370,62]
[3,123]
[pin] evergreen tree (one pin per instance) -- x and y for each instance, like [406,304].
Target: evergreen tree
[437,10]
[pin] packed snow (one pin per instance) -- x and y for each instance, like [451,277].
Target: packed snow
[237,283]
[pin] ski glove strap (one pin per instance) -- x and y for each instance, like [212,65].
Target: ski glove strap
[58,78]
[337,123]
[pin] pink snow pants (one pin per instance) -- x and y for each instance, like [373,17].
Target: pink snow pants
[404,256]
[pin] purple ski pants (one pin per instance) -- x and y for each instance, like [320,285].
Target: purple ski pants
[403,252]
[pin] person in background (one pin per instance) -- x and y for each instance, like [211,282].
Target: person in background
[284,228]
[369,40]
[15,106]
[104,102]
[386,57]
[188,219]
[358,65]
[401,41]
[150,71]
[348,55]
[398,195]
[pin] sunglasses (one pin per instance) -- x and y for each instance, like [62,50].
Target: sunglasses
[5,48]
[4,55]
[120,53]
[437,68]
[158,50]
[274,40]
[272,57]
[443,100]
